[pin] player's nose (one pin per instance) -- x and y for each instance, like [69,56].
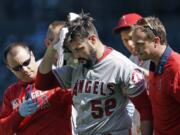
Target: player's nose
[25,69]
[137,49]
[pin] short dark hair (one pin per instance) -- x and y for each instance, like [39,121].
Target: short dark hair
[80,28]
[13,45]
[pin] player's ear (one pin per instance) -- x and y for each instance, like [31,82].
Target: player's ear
[157,40]
[32,55]
[6,63]
[92,38]
[46,42]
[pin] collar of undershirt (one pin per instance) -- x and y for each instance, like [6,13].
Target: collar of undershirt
[107,51]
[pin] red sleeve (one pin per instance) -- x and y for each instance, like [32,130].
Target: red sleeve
[67,98]
[46,81]
[175,89]
[143,105]
[62,96]
[9,119]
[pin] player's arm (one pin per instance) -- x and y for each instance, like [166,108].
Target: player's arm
[46,81]
[49,56]
[47,62]
[45,78]
[134,83]
[58,77]
[143,105]
[146,72]
[9,119]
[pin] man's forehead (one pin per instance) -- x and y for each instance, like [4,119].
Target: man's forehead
[138,34]
[18,53]
[126,33]
[18,50]
[139,41]
[75,44]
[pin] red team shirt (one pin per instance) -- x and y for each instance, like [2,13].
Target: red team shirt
[53,116]
[164,91]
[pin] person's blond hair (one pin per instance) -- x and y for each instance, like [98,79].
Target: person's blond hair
[153,28]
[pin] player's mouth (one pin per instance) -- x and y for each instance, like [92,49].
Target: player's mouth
[82,60]
[29,74]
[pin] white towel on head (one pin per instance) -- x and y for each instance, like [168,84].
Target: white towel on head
[73,16]
[59,46]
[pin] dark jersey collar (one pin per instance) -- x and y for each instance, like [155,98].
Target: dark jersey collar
[163,61]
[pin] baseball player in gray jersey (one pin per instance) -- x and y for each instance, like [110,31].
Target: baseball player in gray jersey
[96,82]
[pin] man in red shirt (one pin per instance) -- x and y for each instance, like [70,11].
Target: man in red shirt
[150,41]
[27,110]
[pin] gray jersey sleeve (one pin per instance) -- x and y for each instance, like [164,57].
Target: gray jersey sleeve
[131,77]
[64,76]
[134,82]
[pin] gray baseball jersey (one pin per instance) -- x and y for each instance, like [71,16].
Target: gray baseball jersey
[97,94]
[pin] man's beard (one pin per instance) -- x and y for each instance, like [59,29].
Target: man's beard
[89,63]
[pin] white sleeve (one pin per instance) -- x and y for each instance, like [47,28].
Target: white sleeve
[132,78]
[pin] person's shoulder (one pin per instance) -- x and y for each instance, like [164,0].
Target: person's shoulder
[116,55]
[172,66]
[175,55]
[12,88]
[121,59]
[174,62]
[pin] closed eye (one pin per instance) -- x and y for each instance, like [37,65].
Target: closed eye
[139,43]
[78,49]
